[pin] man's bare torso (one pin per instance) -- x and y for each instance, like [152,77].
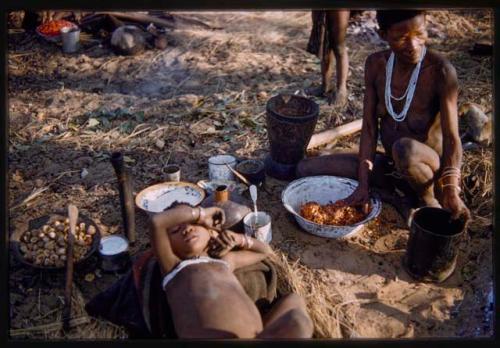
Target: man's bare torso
[209,296]
[422,122]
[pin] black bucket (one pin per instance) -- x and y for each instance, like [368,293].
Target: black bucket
[432,249]
[290,124]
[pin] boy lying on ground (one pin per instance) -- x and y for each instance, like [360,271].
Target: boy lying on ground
[411,103]
[197,261]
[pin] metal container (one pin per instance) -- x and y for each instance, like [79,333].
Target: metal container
[70,39]
[217,167]
[258,226]
[432,249]
[172,172]
[114,252]
[235,207]
[324,189]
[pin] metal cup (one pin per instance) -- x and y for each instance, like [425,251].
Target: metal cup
[172,172]
[217,167]
[70,39]
[258,226]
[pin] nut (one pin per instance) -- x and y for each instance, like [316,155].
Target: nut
[62,257]
[60,227]
[61,251]
[33,240]
[82,226]
[91,230]
[57,223]
[41,235]
[45,228]
[66,221]
[23,248]
[52,235]
[45,239]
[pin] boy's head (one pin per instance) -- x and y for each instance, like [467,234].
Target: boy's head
[189,240]
[405,32]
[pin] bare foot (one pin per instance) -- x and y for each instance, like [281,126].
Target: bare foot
[338,98]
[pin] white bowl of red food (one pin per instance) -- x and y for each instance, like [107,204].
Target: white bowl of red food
[51,30]
[327,191]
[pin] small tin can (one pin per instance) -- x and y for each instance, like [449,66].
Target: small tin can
[70,39]
[258,226]
[217,167]
[114,252]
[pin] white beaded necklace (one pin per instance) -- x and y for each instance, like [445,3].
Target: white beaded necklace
[410,90]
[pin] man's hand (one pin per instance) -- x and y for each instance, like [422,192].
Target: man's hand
[224,243]
[360,197]
[453,203]
[212,217]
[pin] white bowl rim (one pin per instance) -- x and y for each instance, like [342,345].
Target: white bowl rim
[376,206]
[167,183]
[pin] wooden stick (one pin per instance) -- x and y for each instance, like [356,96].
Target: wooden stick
[239,175]
[73,218]
[330,135]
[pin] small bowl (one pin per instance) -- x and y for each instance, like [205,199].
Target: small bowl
[253,170]
[324,189]
[157,198]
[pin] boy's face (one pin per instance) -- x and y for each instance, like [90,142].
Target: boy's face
[188,240]
[407,38]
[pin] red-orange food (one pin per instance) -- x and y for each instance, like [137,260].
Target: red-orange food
[338,213]
[53,28]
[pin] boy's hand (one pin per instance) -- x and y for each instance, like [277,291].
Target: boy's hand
[212,217]
[224,243]
[360,197]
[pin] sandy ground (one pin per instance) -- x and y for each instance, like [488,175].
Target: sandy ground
[204,95]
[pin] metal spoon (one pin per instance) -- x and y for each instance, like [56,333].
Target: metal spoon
[253,195]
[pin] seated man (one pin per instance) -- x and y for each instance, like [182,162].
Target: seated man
[205,297]
[411,103]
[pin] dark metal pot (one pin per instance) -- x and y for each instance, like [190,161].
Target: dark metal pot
[114,253]
[290,124]
[432,248]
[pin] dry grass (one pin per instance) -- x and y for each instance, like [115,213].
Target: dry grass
[322,300]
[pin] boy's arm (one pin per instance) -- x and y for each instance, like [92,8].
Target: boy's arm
[252,250]
[452,146]
[182,214]
[160,242]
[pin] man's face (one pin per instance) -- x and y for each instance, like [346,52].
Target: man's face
[407,39]
[188,240]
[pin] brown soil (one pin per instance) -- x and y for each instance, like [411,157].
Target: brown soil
[206,95]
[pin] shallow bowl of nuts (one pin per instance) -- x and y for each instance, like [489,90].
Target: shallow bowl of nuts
[43,245]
